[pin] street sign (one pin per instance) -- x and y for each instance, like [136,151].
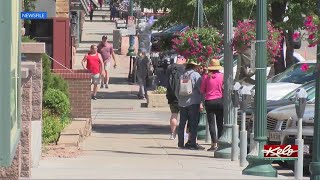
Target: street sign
[131,27]
[34,15]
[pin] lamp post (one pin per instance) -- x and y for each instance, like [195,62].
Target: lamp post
[259,166]
[131,52]
[131,40]
[224,142]
[315,164]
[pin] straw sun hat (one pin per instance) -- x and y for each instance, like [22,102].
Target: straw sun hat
[214,65]
[192,62]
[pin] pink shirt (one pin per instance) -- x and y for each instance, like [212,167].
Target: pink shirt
[212,88]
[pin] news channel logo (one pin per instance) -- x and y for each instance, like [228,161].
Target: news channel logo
[33,15]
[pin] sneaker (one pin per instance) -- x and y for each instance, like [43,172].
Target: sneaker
[94,97]
[107,87]
[196,147]
[102,86]
[173,136]
[212,148]
[187,145]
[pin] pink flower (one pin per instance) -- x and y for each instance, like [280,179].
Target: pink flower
[304,67]
[296,35]
[311,36]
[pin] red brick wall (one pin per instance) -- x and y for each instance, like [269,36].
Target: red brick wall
[79,82]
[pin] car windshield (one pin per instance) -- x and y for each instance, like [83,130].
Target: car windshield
[174,29]
[309,87]
[296,74]
[235,60]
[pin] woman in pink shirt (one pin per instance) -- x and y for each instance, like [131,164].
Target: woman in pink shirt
[212,90]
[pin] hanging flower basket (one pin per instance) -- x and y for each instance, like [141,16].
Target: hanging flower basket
[245,34]
[199,45]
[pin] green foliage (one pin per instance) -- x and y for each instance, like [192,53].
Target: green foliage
[184,12]
[28,6]
[52,126]
[160,90]
[51,80]
[56,102]
[27,39]
[60,84]
[47,76]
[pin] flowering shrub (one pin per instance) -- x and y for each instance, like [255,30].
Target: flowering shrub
[311,26]
[199,45]
[245,34]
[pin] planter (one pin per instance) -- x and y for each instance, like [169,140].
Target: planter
[157,100]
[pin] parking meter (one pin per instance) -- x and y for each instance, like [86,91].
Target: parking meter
[301,101]
[235,94]
[235,127]
[245,97]
[245,94]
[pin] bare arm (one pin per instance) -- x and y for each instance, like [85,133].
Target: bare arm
[84,60]
[114,58]
[101,64]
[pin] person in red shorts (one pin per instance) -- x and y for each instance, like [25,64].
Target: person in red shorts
[94,64]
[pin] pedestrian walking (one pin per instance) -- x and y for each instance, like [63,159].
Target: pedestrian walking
[189,100]
[212,89]
[113,11]
[94,64]
[100,3]
[91,9]
[143,66]
[106,50]
[174,72]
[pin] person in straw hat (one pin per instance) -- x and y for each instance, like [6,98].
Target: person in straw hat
[212,89]
[189,105]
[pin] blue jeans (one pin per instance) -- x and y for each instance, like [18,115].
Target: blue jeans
[192,115]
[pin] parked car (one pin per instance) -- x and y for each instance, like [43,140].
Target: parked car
[297,58]
[271,105]
[286,118]
[292,78]
[166,36]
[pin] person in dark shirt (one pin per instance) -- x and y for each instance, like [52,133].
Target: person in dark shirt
[172,99]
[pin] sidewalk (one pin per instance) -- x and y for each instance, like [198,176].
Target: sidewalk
[130,142]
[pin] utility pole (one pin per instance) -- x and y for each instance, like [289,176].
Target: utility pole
[224,143]
[315,164]
[259,166]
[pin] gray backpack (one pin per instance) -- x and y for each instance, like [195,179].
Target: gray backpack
[186,87]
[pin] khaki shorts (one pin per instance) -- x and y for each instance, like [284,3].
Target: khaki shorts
[95,78]
[107,65]
[174,108]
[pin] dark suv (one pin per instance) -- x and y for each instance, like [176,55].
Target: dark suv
[164,38]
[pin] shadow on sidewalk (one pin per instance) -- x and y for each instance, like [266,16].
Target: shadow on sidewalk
[130,129]
[96,20]
[117,95]
[103,34]
[155,154]
[119,80]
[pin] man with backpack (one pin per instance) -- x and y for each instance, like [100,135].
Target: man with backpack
[189,100]
[174,72]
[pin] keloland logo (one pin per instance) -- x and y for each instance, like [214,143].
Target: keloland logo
[280,152]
